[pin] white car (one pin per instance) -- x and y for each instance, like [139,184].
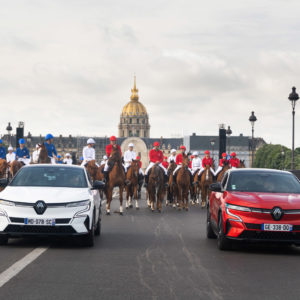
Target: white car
[48,200]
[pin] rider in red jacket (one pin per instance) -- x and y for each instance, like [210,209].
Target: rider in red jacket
[156,157]
[206,161]
[234,161]
[223,161]
[165,162]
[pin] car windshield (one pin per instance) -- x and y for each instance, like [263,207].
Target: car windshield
[264,182]
[51,177]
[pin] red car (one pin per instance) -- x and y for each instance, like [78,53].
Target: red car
[254,205]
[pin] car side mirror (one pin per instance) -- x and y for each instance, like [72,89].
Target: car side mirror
[98,185]
[3,182]
[216,187]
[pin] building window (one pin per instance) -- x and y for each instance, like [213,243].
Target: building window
[138,133]
[130,132]
[123,133]
[130,121]
[143,121]
[137,121]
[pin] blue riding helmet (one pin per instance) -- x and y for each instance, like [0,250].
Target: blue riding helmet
[58,156]
[48,136]
[21,141]
[81,158]
[0,141]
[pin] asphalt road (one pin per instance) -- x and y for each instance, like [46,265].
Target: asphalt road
[145,255]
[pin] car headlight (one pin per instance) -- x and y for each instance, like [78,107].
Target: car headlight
[5,202]
[79,203]
[238,208]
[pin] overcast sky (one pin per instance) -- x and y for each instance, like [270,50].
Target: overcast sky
[67,66]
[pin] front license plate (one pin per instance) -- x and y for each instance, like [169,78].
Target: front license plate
[276,227]
[46,222]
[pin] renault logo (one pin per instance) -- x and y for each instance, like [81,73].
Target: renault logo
[40,207]
[277,213]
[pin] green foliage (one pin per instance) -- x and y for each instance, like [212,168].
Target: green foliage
[270,156]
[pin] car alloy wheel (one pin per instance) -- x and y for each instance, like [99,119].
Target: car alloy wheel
[223,242]
[3,239]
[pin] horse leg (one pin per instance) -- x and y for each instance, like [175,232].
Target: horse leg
[179,196]
[121,199]
[127,197]
[203,203]
[135,192]
[148,199]
[187,199]
[152,199]
[108,200]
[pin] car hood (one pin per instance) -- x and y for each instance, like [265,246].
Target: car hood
[47,194]
[264,200]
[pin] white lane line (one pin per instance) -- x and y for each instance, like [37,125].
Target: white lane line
[18,266]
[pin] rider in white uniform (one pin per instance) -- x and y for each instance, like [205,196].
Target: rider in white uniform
[88,152]
[104,160]
[36,154]
[196,163]
[129,156]
[68,160]
[10,156]
[172,157]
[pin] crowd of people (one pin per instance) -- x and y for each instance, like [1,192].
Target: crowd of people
[156,156]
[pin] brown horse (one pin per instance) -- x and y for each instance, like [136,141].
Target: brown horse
[3,170]
[205,181]
[196,188]
[172,191]
[92,169]
[183,183]
[100,176]
[116,178]
[132,177]
[156,188]
[242,164]
[14,167]
[225,168]
[43,156]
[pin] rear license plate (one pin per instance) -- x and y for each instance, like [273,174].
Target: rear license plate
[46,222]
[276,227]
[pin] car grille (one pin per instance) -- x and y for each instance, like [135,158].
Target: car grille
[270,235]
[57,221]
[39,229]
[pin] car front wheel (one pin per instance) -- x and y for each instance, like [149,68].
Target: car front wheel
[88,240]
[209,231]
[223,242]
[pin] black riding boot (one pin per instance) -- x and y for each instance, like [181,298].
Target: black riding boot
[166,180]
[146,180]
[191,179]
[174,178]
[105,176]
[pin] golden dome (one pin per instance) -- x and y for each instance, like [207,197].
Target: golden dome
[134,107]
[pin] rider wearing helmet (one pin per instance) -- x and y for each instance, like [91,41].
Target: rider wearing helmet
[206,161]
[108,149]
[88,152]
[2,151]
[156,157]
[196,162]
[10,156]
[22,153]
[68,160]
[223,161]
[172,157]
[59,160]
[141,177]
[234,162]
[165,162]
[129,156]
[50,147]
[103,161]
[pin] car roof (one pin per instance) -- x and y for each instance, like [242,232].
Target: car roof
[53,166]
[258,170]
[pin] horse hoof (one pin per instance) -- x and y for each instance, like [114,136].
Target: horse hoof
[108,213]
[186,209]
[121,214]
[179,208]
[152,210]
[159,210]
[130,206]
[137,208]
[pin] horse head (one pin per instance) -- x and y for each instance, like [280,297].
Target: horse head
[155,176]
[135,167]
[3,167]
[92,169]
[242,164]
[185,161]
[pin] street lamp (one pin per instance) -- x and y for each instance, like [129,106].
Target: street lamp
[252,120]
[228,132]
[212,142]
[293,97]
[9,130]
[282,157]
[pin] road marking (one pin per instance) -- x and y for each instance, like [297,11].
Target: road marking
[18,266]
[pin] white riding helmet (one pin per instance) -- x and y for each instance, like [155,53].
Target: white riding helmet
[37,146]
[173,151]
[10,148]
[196,153]
[91,141]
[68,154]
[130,145]
[104,157]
